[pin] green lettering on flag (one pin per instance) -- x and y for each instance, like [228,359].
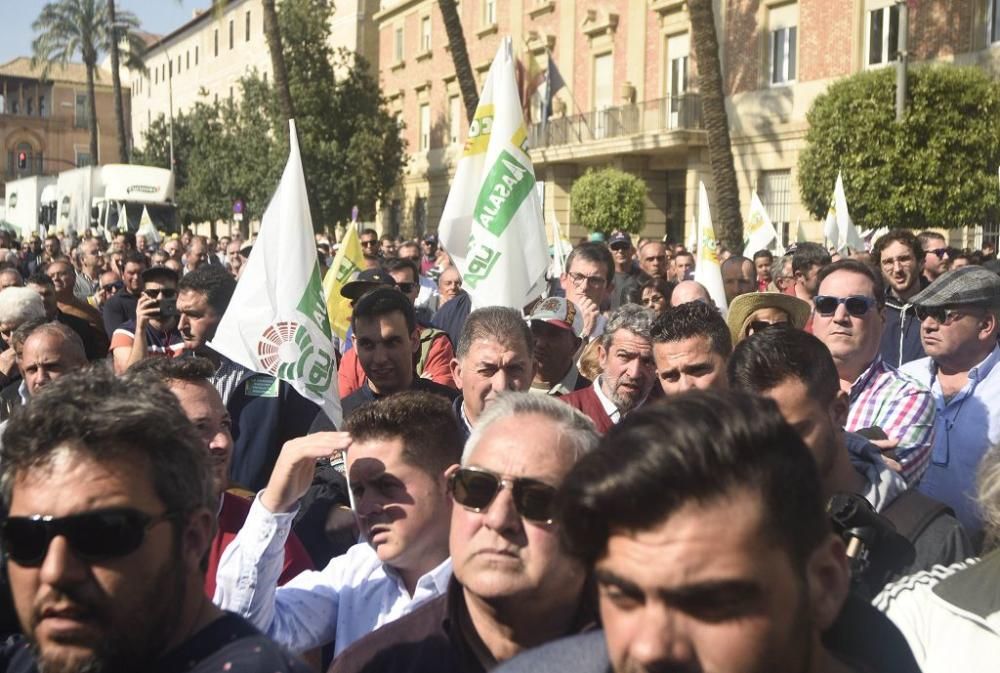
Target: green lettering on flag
[505,188]
[312,304]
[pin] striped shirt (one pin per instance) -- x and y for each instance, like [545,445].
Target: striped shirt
[167,343]
[903,408]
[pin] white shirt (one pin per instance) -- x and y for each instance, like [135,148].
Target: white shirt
[609,407]
[354,595]
[428,295]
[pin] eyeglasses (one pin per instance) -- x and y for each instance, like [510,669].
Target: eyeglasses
[942,316]
[760,325]
[940,252]
[620,247]
[857,304]
[475,488]
[366,244]
[166,292]
[113,287]
[406,288]
[592,281]
[95,535]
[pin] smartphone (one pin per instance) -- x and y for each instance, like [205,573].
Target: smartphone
[168,307]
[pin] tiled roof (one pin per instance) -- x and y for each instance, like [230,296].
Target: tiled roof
[74,73]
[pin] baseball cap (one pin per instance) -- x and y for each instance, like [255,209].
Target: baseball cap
[620,237]
[560,312]
[366,280]
[965,286]
[430,238]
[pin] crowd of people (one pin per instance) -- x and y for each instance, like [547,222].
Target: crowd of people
[618,477]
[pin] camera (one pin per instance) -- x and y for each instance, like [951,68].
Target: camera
[168,307]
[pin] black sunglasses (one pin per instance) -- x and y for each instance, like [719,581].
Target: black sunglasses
[761,325]
[406,288]
[99,534]
[942,316]
[940,252]
[857,304]
[620,247]
[366,244]
[475,488]
[167,292]
[113,287]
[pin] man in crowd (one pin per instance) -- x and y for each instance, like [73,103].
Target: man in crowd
[154,332]
[795,370]
[120,308]
[10,278]
[959,327]
[428,296]
[900,256]
[266,412]
[711,551]
[684,265]
[555,324]
[369,248]
[763,261]
[807,260]
[627,370]
[95,345]
[234,258]
[197,254]
[884,403]
[89,265]
[110,285]
[588,282]
[739,276]
[63,277]
[627,272]
[429,247]
[449,285]
[691,344]
[398,451]
[50,351]
[106,534]
[494,354]
[653,259]
[386,344]
[949,615]
[936,257]
[387,246]
[687,291]
[514,587]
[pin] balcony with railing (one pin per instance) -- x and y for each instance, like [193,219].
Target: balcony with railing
[646,118]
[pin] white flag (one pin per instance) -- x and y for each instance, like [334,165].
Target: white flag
[147,229]
[492,223]
[761,234]
[839,229]
[707,269]
[276,322]
[800,233]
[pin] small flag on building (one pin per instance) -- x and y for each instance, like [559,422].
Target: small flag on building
[761,234]
[492,222]
[707,269]
[276,322]
[348,261]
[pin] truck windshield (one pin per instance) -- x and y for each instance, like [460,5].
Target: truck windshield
[163,216]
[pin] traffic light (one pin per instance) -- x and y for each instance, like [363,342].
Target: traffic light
[22,160]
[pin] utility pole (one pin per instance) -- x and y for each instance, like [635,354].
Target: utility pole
[901,58]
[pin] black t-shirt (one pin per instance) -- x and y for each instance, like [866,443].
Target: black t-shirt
[229,643]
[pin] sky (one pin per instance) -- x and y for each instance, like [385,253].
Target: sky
[155,16]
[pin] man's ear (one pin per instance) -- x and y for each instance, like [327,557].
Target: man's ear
[828,581]
[196,538]
[415,340]
[839,408]
[456,372]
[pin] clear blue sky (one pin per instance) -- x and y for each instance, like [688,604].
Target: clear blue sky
[156,16]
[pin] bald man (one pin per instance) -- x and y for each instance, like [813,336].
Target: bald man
[688,291]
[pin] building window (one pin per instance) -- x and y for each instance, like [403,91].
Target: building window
[232,34]
[993,20]
[82,158]
[489,12]
[178,65]
[196,56]
[156,75]
[29,107]
[455,119]
[248,27]
[425,34]
[425,127]
[783,23]
[42,111]
[216,42]
[398,44]
[603,88]
[82,118]
[187,60]
[776,196]
[883,35]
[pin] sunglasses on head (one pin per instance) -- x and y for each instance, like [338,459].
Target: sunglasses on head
[167,292]
[857,304]
[96,535]
[475,488]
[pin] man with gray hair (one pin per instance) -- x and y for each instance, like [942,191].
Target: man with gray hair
[494,354]
[18,305]
[625,356]
[514,587]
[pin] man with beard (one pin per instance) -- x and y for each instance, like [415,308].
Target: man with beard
[625,355]
[901,258]
[937,259]
[691,343]
[111,510]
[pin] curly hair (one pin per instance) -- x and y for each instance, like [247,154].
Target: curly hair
[693,319]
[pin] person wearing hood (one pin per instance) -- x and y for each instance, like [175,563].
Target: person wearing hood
[796,370]
[900,257]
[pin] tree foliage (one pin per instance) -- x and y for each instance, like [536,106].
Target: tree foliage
[937,168]
[609,199]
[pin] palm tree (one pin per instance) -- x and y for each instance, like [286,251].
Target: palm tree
[65,28]
[123,24]
[729,222]
[460,56]
[273,35]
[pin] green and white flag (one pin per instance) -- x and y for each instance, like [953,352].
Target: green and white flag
[761,234]
[492,223]
[839,229]
[276,322]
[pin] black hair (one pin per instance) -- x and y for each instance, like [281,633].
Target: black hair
[400,263]
[763,253]
[214,282]
[807,255]
[691,319]
[854,266]
[382,301]
[904,236]
[770,357]
[596,253]
[39,278]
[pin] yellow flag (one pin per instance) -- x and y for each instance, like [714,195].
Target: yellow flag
[348,262]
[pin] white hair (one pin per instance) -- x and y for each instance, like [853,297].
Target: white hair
[19,305]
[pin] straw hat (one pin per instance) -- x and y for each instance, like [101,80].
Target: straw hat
[746,305]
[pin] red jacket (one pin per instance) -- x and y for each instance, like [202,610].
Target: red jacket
[586,400]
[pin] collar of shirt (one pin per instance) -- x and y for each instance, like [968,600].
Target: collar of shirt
[434,581]
[976,374]
[22,391]
[567,385]
[610,408]
[865,378]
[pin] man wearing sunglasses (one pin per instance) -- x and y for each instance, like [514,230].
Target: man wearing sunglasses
[900,256]
[369,248]
[514,586]
[110,285]
[627,271]
[153,333]
[106,535]
[885,405]
[936,257]
[959,323]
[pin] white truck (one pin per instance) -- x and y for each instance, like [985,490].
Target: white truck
[24,201]
[113,197]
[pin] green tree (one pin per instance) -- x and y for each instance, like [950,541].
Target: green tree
[936,168]
[67,28]
[608,199]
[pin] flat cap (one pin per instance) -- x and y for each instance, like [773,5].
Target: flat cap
[965,286]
